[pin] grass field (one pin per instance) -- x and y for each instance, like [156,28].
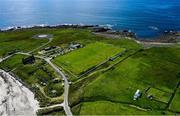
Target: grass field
[51,111]
[159,95]
[175,104]
[92,54]
[109,108]
[12,62]
[22,39]
[18,41]
[153,67]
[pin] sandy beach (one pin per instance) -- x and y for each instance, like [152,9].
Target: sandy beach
[15,99]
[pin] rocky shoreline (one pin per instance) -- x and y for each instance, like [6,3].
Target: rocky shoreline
[80,26]
[169,36]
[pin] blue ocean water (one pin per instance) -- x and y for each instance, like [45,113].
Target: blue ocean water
[148,18]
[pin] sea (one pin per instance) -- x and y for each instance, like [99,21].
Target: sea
[147,18]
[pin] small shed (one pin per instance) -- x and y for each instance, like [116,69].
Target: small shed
[56,80]
[50,48]
[75,46]
[28,60]
[137,94]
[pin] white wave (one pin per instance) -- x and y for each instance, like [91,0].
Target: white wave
[154,28]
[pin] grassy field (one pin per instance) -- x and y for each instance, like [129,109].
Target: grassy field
[80,60]
[12,62]
[56,111]
[11,41]
[22,39]
[110,108]
[153,67]
[175,105]
[159,95]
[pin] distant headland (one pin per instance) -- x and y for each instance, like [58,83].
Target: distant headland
[169,36]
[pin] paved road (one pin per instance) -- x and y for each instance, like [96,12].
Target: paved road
[28,54]
[53,106]
[66,87]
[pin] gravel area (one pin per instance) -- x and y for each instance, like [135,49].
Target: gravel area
[43,36]
[15,99]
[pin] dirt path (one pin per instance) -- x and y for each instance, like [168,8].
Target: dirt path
[50,40]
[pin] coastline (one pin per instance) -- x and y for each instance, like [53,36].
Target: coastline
[169,36]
